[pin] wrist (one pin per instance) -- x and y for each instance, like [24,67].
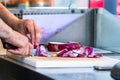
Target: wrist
[7,35]
[5,30]
[14,23]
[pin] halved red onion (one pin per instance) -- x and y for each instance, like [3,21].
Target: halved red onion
[55,47]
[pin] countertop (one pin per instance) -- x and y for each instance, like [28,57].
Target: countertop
[20,71]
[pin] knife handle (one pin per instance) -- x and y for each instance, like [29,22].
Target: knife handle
[8,46]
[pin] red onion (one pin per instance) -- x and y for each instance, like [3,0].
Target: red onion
[67,53]
[69,49]
[81,50]
[60,54]
[90,56]
[72,54]
[81,55]
[55,47]
[37,50]
[95,56]
[41,51]
[98,55]
[89,50]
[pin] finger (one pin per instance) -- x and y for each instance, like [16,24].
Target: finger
[37,34]
[30,49]
[16,51]
[29,38]
[26,51]
[32,33]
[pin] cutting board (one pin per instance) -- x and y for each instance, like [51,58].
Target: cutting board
[40,62]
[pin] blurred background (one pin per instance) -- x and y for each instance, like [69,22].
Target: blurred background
[104,19]
[110,5]
[27,3]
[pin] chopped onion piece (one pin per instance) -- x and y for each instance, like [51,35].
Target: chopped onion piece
[90,56]
[89,50]
[69,49]
[98,55]
[60,54]
[41,51]
[67,54]
[81,55]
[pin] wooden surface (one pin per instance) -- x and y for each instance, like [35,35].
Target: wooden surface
[2,50]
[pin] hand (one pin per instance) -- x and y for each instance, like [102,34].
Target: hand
[28,26]
[25,27]
[20,41]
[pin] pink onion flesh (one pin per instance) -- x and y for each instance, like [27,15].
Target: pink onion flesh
[41,51]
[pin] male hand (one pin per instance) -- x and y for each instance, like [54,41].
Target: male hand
[24,47]
[28,26]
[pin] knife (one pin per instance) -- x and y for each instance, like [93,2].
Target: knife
[10,46]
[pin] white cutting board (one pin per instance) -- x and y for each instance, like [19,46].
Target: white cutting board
[39,62]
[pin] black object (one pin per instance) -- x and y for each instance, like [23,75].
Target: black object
[10,70]
[8,46]
[103,68]
[115,72]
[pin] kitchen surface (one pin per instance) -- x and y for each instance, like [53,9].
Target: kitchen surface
[80,41]
[19,70]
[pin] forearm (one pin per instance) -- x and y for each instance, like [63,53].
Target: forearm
[5,31]
[7,16]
